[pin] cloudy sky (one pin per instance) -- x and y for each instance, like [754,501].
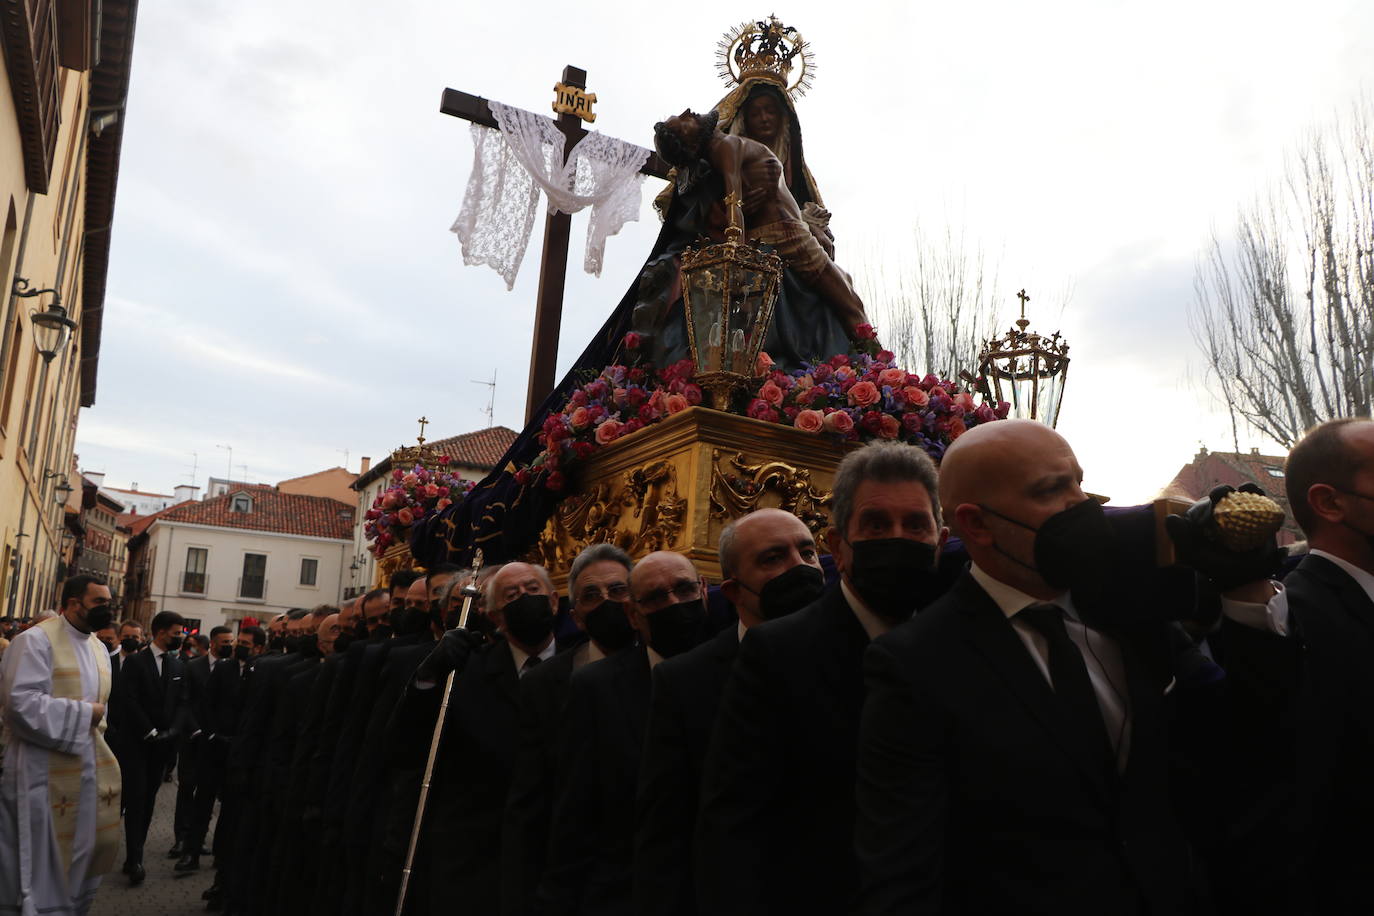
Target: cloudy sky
[283,280]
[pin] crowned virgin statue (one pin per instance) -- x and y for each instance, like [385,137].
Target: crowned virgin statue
[767,65]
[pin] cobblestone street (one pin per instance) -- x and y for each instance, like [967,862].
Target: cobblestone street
[161,894]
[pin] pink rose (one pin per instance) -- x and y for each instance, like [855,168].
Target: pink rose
[522,476]
[632,341]
[892,377]
[805,383]
[760,409]
[865,332]
[397,474]
[938,392]
[579,418]
[554,481]
[843,373]
[443,491]
[810,421]
[405,517]
[771,393]
[864,394]
[889,427]
[431,491]
[410,480]
[676,403]
[915,397]
[692,393]
[583,450]
[763,364]
[608,431]
[839,422]
[822,372]
[443,504]
[956,427]
[985,413]
[964,401]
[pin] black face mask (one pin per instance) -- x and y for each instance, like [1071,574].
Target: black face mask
[130,645]
[242,653]
[893,576]
[174,643]
[790,591]
[276,644]
[382,631]
[224,652]
[410,621]
[1073,548]
[310,645]
[343,641]
[99,617]
[294,643]
[529,620]
[676,628]
[608,626]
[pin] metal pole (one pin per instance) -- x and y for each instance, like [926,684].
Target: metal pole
[470,593]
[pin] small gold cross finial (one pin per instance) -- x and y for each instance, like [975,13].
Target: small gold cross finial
[423,421]
[1024,299]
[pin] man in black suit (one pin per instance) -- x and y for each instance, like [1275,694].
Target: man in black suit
[1013,752]
[771,568]
[221,645]
[591,836]
[223,706]
[154,712]
[774,833]
[598,587]
[1295,764]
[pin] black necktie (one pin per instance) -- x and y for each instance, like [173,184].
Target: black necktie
[530,663]
[1072,687]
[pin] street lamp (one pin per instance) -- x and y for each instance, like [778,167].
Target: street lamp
[62,492]
[51,328]
[1026,369]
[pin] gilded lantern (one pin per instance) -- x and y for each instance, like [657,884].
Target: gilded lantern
[1026,369]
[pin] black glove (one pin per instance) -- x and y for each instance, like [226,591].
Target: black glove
[167,737]
[1194,534]
[451,654]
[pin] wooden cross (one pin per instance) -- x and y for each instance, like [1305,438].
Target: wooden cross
[423,421]
[553,266]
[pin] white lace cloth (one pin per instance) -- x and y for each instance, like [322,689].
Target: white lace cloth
[511,165]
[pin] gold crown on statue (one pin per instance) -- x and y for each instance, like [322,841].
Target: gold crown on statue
[1246,520]
[769,50]
[407,456]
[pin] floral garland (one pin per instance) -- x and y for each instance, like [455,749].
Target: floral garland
[412,497]
[857,396]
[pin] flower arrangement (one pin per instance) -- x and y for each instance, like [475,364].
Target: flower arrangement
[856,396]
[411,497]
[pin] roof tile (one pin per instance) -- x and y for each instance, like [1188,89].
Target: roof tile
[281,513]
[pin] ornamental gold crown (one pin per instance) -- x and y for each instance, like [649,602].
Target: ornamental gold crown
[768,50]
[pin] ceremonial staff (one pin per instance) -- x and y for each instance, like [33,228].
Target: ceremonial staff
[470,592]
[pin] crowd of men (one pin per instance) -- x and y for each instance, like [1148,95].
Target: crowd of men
[1039,721]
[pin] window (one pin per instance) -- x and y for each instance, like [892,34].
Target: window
[193,580]
[1273,471]
[241,503]
[254,581]
[309,568]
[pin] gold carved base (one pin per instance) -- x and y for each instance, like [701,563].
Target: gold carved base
[396,558]
[676,485]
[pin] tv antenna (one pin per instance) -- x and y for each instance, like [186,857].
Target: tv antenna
[490,409]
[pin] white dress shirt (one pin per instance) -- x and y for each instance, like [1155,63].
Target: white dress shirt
[1101,655]
[520,655]
[1273,616]
[157,658]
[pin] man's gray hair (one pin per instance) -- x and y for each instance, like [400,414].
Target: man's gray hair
[726,549]
[597,553]
[492,599]
[881,462]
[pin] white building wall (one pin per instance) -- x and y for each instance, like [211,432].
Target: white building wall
[221,603]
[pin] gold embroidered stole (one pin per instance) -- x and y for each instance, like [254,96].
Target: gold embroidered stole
[65,770]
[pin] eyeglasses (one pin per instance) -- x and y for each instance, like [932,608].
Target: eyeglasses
[595,594]
[684,590]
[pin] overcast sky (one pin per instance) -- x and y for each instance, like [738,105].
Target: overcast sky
[283,280]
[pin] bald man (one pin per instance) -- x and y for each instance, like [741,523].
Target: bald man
[1012,752]
[775,827]
[591,836]
[771,567]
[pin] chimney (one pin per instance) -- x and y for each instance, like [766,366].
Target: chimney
[367,465]
[184,491]
[1254,451]
[134,486]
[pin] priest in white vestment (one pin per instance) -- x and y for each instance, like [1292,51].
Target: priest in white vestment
[59,783]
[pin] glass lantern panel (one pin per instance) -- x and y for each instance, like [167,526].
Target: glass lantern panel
[706,297]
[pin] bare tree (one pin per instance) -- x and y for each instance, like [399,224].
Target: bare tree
[1284,312]
[935,300]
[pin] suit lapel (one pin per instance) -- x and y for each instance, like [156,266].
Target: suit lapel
[993,636]
[840,663]
[633,686]
[1352,597]
[501,669]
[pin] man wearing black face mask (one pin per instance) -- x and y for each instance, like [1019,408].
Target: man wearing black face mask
[155,712]
[777,808]
[591,838]
[599,587]
[1013,753]
[460,845]
[221,645]
[1294,760]
[771,568]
